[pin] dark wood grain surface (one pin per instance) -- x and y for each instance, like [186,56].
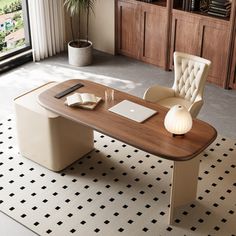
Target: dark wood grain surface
[153,34]
[128,20]
[150,136]
[141,30]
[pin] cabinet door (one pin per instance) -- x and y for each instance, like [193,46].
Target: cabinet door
[153,34]
[128,25]
[214,47]
[185,34]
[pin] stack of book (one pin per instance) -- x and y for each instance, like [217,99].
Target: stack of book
[191,5]
[220,8]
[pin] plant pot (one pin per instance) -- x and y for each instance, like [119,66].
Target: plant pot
[80,56]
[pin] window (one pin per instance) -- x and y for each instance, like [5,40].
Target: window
[14,28]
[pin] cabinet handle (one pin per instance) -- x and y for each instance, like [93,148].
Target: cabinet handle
[144,32]
[121,26]
[234,78]
[202,40]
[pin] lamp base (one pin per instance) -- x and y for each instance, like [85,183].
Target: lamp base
[177,135]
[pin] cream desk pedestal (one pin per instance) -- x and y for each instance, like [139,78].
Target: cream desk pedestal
[47,138]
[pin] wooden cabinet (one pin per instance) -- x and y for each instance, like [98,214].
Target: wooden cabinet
[185,34]
[151,32]
[202,36]
[232,62]
[142,31]
[214,38]
[128,19]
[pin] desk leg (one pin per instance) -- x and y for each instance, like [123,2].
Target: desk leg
[184,184]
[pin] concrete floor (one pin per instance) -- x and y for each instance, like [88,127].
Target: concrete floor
[116,71]
[119,72]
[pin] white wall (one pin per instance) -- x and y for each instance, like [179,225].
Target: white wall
[102,26]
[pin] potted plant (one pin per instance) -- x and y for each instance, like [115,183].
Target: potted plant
[79,50]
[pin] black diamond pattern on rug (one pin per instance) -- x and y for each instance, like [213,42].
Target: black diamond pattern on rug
[116,190]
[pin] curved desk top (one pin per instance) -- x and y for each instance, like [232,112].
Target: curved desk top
[150,136]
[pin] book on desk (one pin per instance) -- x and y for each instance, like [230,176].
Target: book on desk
[83,100]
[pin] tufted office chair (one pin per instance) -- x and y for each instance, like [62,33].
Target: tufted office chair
[190,77]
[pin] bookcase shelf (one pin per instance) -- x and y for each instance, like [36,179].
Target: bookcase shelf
[161,3]
[203,14]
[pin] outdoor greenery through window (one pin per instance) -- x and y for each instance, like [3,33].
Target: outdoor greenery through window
[14,34]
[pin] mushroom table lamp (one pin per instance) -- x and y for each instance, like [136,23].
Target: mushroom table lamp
[178,121]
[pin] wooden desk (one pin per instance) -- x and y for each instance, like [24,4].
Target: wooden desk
[150,136]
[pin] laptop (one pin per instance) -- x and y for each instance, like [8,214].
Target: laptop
[132,111]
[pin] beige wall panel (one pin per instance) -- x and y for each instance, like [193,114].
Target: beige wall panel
[102,26]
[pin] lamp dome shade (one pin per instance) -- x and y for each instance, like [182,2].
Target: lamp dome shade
[178,120]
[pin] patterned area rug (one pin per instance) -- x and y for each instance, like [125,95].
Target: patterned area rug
[116,190]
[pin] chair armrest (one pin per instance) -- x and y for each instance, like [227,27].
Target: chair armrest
[157,92]
[196,106]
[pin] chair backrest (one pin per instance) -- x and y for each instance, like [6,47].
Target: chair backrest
[190,75]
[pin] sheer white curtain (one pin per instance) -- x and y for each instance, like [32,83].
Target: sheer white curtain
[47,27]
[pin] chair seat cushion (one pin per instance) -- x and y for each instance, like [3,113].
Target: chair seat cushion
[170,102]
